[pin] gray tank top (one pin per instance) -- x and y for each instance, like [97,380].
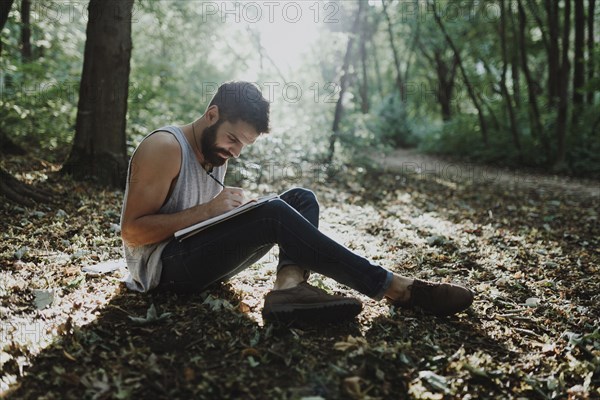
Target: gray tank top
[193,187]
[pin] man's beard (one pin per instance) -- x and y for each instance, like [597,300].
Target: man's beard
[210,151]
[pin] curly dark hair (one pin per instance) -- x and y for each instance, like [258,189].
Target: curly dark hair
[242,101]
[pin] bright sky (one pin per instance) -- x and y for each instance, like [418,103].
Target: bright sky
[287,29]
[289,36]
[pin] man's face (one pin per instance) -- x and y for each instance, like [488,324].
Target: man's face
[224,140]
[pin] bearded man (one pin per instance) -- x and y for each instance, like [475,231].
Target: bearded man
[175,179]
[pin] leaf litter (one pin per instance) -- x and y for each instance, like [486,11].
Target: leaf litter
[531,254]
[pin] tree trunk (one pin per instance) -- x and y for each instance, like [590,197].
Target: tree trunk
[399,82]
[505,94]
[5,6]
[377,70]
[364,83]
[479,94]
[374,27]
[470,90]
[7,146]
[20,192]
[553,54]
[590,47]
[26,54]
[578,61]
[445,77]
[514,62]
[561,119]
[534,11]
[534,111]
[337,118]
[10,187]
[99,147]
[413,46]
[446,80]
[445,84]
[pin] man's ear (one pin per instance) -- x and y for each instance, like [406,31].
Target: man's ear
[212,115]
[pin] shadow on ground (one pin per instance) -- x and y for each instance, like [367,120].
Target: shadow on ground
[532,256]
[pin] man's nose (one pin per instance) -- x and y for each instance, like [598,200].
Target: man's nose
[236,150]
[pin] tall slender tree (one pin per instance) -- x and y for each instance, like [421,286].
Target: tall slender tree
[472,95]
[344,77]
[534,110]
[99,147]
[26,52]
[563,90]
[514,59]
[553,54]
[445,71]
[505,93]
[377,67]
[535,12]
[10,186]
[578,57]
[7,146]
[364,81]
[590,47]
[5,6]
[399,82]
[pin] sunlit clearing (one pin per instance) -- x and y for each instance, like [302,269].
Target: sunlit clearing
[282,31]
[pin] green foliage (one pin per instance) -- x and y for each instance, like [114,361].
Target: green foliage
[391,123]
[39,112]
[168,78]
[461,137]
[38,99]
[176,65]
[364,136]
[444,140]
[583,157]
[358,141]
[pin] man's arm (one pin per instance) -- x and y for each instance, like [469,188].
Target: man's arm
[154,168]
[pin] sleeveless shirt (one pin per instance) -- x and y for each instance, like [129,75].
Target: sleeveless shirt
[193,187]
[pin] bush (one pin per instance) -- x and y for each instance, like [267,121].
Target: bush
[391,124]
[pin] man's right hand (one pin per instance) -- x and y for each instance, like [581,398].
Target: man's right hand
[228,199]
[154,170]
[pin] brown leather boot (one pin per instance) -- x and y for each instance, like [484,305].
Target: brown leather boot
[440,299]
[307,303]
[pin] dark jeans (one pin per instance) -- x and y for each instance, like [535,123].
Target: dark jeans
[291,222]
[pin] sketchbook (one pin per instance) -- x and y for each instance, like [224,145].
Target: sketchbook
[185,233]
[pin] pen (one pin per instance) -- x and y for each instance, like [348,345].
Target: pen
[215,179]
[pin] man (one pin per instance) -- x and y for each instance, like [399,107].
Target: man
[175,180]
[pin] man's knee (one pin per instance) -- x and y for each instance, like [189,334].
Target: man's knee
[275,206]
[302,195]
[278,208]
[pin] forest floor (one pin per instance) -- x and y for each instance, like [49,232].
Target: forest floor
[527,244]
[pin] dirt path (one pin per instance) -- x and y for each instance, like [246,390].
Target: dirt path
[408,160]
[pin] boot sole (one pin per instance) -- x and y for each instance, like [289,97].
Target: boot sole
[317,313]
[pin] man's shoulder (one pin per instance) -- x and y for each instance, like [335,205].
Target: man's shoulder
[160,149]
[160,143]
[161,138]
